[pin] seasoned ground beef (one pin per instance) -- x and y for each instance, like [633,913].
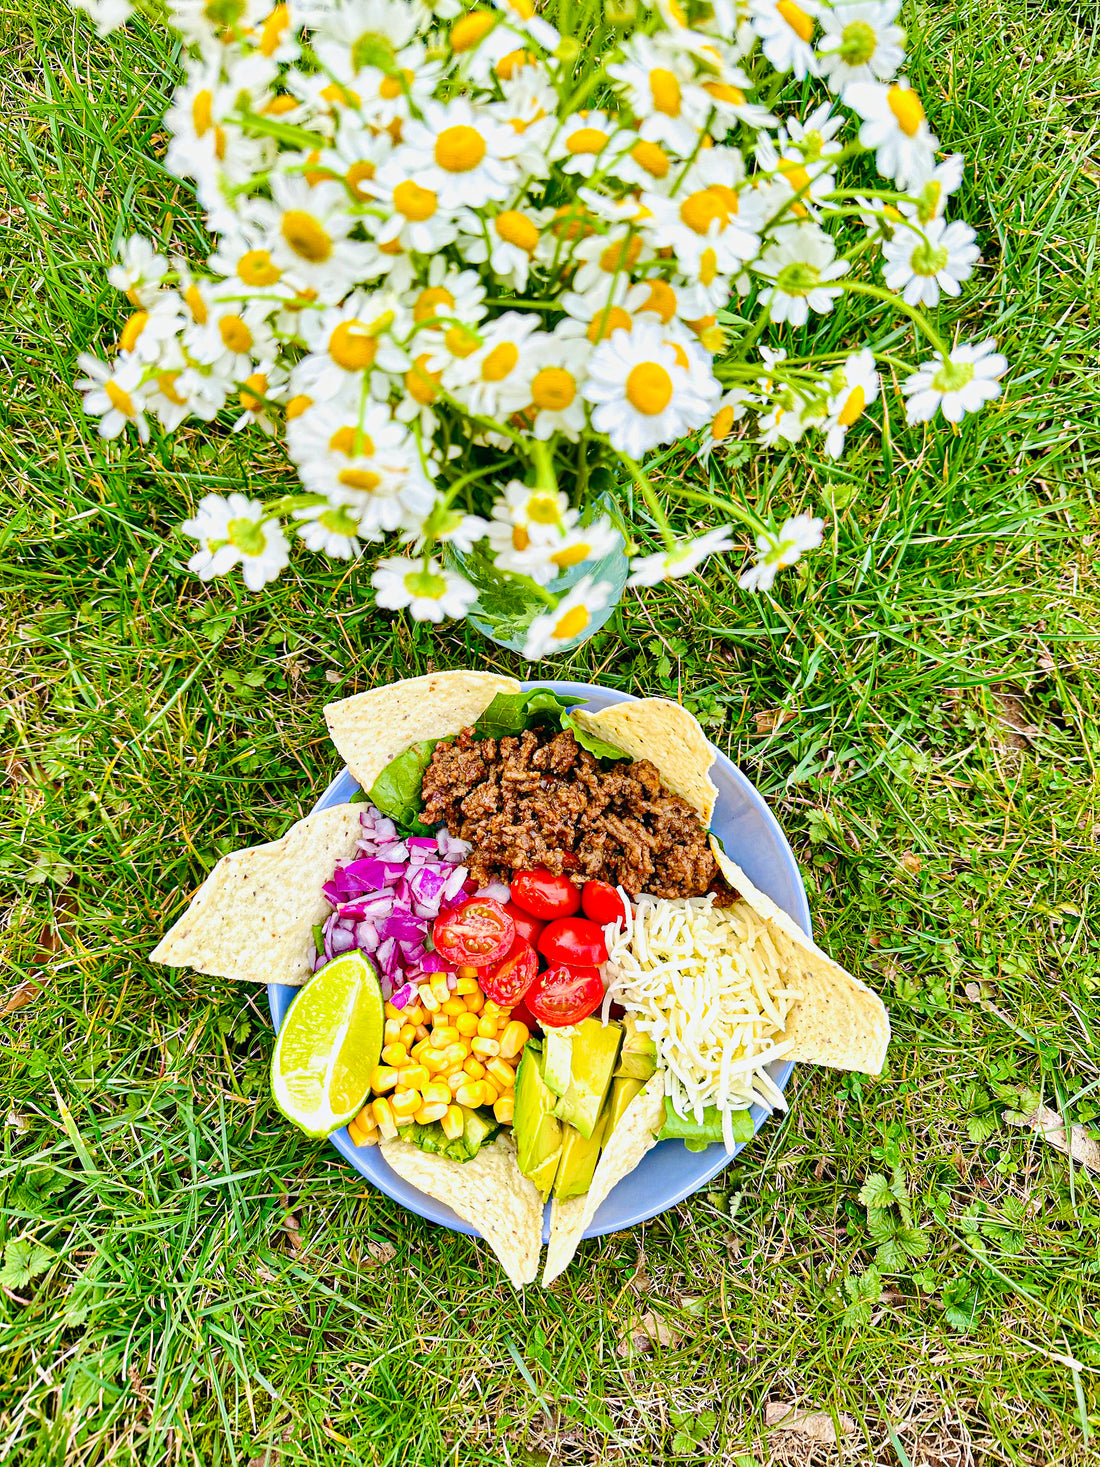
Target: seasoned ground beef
[541,800]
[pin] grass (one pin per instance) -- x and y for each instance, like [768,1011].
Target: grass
[187,1281]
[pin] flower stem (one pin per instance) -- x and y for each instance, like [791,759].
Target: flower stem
[917,317]
[649,494]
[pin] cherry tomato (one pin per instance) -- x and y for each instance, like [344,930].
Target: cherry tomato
[545,895]
[564,995]
[521,1012]
[527,927]
[507,981]
[573,940]
[602,903]
[476,933]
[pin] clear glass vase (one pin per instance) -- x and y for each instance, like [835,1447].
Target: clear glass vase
[506,607]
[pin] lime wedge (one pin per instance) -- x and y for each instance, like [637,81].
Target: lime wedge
[330,1042]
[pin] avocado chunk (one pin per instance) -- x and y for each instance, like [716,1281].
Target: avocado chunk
[638,1059]
[595,1050]
[623,1090]
[536,1129]
[698,1135]
[557,1059]
[578,1159]
[480,1126]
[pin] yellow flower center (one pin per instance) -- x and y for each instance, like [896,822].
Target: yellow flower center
[351,442]
[429,301]
[515,228]
[525,9]
[722,425]
[799,22]
[677,12]
[306,237]
[469,29]
[664,88]
[543,509]
[622,255]
[508,65]
[280,105]
[651,157]
[853,407]
[166,382]
[273,28]
[681,355]
[202,112]
[356,175]
[708,266]
[416,203]
[906,107]
[132,330]
[458,149]
[586,140]
[195,304]
[520,538]
[571,624]
[358,479]
[352,346]
[255,268]
[253,393]
[460,341]
[419,382]
[391,87]
[571,555]
[724,92]
[703,208]
[297,406]
[553,389]
[603,323]
[795,175]
[649,388]
[337,92]
[661,300]
[704,323]
[120,400]
[235,334]
[500,361]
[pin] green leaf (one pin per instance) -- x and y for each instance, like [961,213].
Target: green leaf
[596,746]
[510,713]
[876,1192]
[890,1256]
[23,1261]
[699,1134]
[980,1128]
[863,1293]
[914,1241]
[396,791]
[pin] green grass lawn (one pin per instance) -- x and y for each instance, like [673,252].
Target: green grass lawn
[185,1279]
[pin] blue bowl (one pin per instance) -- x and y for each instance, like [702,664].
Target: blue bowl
[670,1172]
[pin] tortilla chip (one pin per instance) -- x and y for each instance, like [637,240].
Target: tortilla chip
[635,1134]
[372,728]
[661,731]
[253,917]
[838,1021]
[489,1191]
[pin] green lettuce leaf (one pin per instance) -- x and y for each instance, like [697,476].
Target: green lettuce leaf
[511,713]
[596,746]
[396,791]
[698,1135]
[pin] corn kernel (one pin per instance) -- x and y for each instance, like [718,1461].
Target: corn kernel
[413,1013]
[501,1073]
[441,989]
[382,1111]
[435,1061]
[487,1028]
[413,1078]
[406,1103]
[408,1035]
[428,998]
[465,971]
[392,1030]
[428,1113]
[396,1055]
[481,1047]
[441,1036]
[454,1122]
[473,1067]
[437,1091]
[355,1135]
[504,1110]
[467,1024]
[469,1095]
[456,1079]
[475,1002]
[467,985]
[382,1078]
[422,1031]
[365,1121]
[489,1092]
[453,1007]
[390,1011]
[420,1049]
[513,1038]
[495,1011]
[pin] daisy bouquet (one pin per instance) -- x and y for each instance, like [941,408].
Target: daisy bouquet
[472,268]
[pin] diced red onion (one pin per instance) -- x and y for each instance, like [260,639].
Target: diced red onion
[403,996]
[341,941]
[497,890]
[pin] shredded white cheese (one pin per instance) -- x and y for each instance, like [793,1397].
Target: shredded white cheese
[707,984]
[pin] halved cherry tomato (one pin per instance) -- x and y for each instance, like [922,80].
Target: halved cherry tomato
[527,927]
[573,940]
[545,895]
[507,981]
[521,1012]
[601,902]
[564,995]
[476,933]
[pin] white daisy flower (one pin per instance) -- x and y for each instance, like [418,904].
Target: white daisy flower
[937,188]
[857,388]
[786,32]
[786,420]
[258,393]
[460,153]
[571,618]
[113,394]
[276,38]
[800,263]
[204,389]
[962,384]
[597,313]
[524,517]
[248,271]
[307,235]
[418,221]
[510,245]
[586,142]
[330,529]
[730,104]
[163,398]
[775,551]
[728,410]
[232,338]
[232,531]
[920,262]
[425,589]
[545,559]
[860,42]
[558,369]
[664,565]
[659,85]
[600,257]
[347,341]
[152,334]
[896,128]
[521,14]
[451,526]
[355,156]
[712,221]
[140,270]
[644,390]
[105,15]
[444,296]
[494,380]
[528,106]
[205,24]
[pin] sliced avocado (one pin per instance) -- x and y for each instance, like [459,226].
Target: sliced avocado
[578,1159]
[623,1090]
[595,1049]
[480,1128]
[557,1059]
[638,1059]
[698,1135]
[536,1129]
